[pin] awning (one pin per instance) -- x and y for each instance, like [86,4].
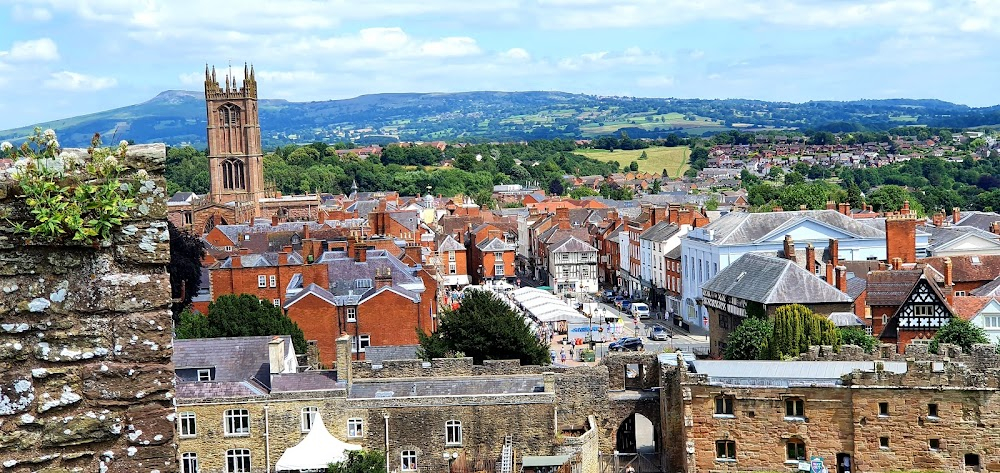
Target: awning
[545,460]
[456,279]
[316,451]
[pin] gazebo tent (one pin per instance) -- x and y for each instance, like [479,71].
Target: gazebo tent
[317,450]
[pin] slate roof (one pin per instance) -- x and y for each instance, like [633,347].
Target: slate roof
[260,260]
[202,390]
[674,253]
[407,218]
[573,245]
[660,232]
[449,243]
[980,220]
[494,244]
[943,236]
[855,287]
[377,354]
[770,280]
[181,197]
[324,380]
[741,227]
[344,272]
[890,288]
[472,386]
[991,288]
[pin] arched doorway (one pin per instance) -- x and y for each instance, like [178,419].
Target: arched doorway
[636,434]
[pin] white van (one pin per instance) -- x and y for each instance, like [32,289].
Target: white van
[640,310]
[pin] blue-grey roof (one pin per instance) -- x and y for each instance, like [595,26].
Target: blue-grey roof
[449,243]
[660,232]
[573,245]
[472,386]
[737,228]
[377,354]
[306,381]
[980,220]
[344,272]
[944,236]
[771,280]
[241,364]
[494,244]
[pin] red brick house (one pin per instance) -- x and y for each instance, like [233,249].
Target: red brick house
[907,306]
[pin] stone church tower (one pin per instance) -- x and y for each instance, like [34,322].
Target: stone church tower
[235,159]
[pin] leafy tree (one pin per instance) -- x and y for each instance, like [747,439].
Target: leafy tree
[655,187]
[360,461]
[484,199]
[775,172]
[712,204]
[485,328]
[794,178]
[241,315]
[581,192]
[796,328]
[958,332]
[858,336]
[890,198]
[186,252]
[748,179]
[643,156]
[556,187]
[750,339]
[633,166]
[854,196]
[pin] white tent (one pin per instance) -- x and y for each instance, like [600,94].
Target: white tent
[316,451]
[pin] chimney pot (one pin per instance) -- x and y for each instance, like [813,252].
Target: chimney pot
[948,273]
[955,215]
[842,279]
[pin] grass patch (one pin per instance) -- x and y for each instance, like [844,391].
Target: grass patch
[673,159]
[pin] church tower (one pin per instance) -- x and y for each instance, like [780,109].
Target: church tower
[235,159]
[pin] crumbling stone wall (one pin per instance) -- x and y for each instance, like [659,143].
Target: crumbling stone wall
[85,341]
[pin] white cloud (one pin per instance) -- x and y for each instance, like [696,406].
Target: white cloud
[74,81]
[516,54]
[30,14]
[450,47]
[43,49]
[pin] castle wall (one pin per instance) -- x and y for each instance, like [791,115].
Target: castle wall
[85,341]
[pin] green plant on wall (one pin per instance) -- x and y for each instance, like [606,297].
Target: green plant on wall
[67,198]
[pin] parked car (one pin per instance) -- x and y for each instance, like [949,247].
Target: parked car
[640,309]
[626,304]
[608,296]
[626,344]
[659,333]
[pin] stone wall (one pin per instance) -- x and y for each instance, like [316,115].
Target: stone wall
[85,341]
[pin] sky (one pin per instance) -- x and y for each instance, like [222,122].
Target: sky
[62,58]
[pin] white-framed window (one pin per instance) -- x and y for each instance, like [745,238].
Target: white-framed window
[452,268]
[960,293]
[261,280]
[238,460]
[352,314]
[451,256]
[498,255]
[276,302]
[408,460]
[355,428]
[923,309]
[227,248]
[992,321]
[498,269]
[308,417]
[272,281]
[361,342]
[187,424]
[237,422]
[363,283]
[204,375]
[453,432]
[189,462]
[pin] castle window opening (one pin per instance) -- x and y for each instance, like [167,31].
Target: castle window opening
[934,445]
[725,450]
[932,410]
[883,409]
[795,450]
[972,460]
[883,443]
[724,406]
[795,408]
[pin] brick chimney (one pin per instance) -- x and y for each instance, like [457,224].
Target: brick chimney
[276,355]
[361,253]
[901,238]
[897,263]
[845,208]
[995,228]
[834,248]
[842,279]
[235,261]
[810,258]
[415,253]
[275,221]
[831,205]
[906,208]
[283,255]
[789,248]
[658,214]
[937,219]
[562,218]
[955,215]
[948,273]
[306,234]
[321,216]
[778,209]
[383,278]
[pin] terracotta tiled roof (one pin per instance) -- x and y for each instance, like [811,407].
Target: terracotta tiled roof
[967,307]
[968,268]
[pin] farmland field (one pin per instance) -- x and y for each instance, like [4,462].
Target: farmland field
[673,159]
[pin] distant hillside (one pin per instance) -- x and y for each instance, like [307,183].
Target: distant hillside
[177,117]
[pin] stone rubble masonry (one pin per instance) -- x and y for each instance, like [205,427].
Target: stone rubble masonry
[86,381]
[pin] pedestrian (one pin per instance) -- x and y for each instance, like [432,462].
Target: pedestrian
[553,353]
[562,354]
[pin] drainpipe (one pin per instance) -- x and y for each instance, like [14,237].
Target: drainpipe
[267,440]
[385,415]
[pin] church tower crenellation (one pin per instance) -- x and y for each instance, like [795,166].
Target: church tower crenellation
[234,150]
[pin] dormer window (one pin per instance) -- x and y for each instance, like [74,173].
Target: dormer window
[363,283]
[204,375]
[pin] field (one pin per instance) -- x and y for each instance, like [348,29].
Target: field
[673,159]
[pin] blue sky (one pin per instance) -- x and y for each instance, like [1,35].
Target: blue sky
[61,58]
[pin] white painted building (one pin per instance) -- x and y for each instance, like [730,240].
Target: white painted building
[573,267]
[654,243]
[989,319]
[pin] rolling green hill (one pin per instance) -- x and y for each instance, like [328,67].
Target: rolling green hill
[178,117]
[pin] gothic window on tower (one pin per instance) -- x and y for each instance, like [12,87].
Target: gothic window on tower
[233,174]
[229,115]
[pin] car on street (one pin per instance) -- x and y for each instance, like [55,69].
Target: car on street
[659,334]
[626,304]
[608,296]
[626,344]
[640,310]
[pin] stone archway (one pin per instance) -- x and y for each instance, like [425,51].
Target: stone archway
[636,434]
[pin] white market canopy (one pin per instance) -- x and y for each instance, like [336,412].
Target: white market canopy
[317,450]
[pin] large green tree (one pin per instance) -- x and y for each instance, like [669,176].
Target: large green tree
[242,315]
[360,461]
[858,336]
[959,332]
[186,252]
[484,328]
[796,328]
[749,340]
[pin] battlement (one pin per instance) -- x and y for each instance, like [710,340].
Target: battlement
[445,367]
[977,368]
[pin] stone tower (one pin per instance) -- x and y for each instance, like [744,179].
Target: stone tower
[234,153]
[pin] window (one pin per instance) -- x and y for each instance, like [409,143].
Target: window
[188,218]
[233,174]
[992,321]
[960,293]
[883,409]
[272,281]
[498,255]
[724,405]
[451,256]
[408,460]
[204,375]
[355,428]
[725,450]
[795,450]
[276,302]
[934,444]
[189,462]
[237,422]
[308,418]
[794,407]
[352,314]
[363,283]
[883,443]
[923,309]
[261,281]
[452,268]
[361,342]
[453,432]
[187,424]
[972,459]
[932,410]
[498,269]
[238,461]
